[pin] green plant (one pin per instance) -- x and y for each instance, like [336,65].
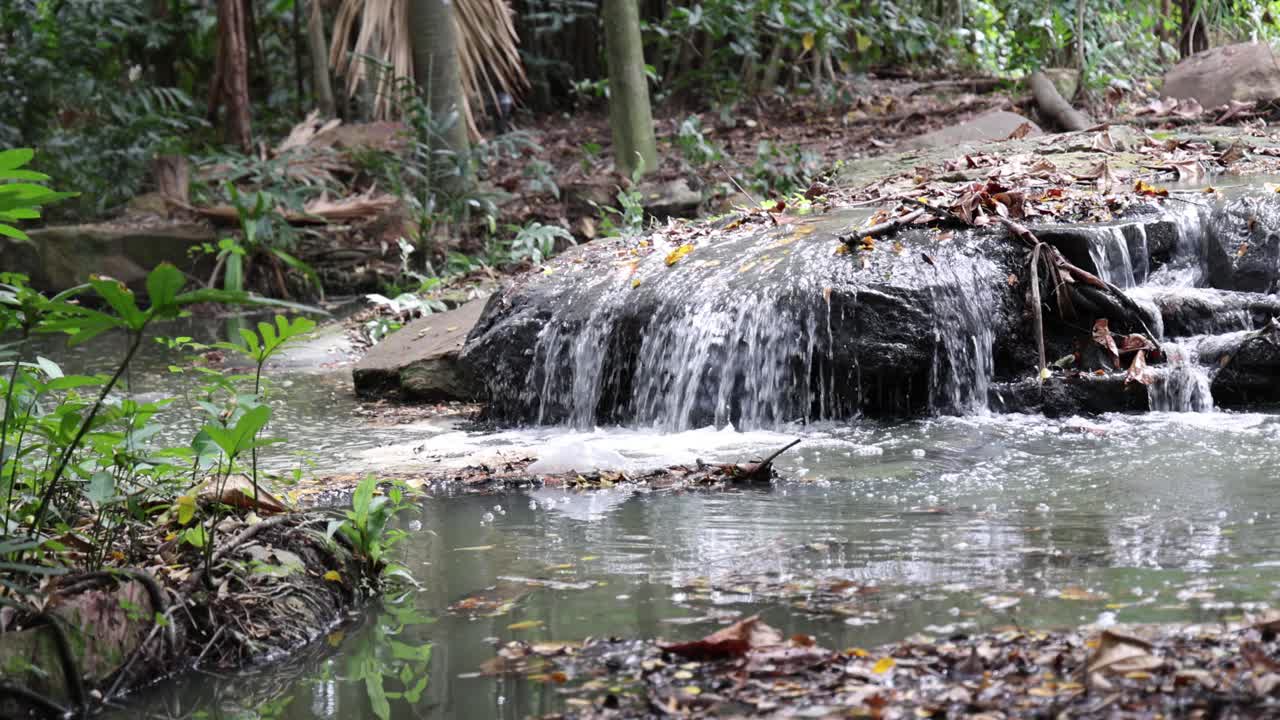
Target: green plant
[21,195]
[536,242]
[693,143]
[367,525]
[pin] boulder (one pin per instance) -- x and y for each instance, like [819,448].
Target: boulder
[994,125]
[1243,245]
[750,323]
[60,257]
[1245,72]
[420,361]
[670,198]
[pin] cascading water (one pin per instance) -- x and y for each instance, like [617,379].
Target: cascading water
[1184,385]
[1109,250]
[963,363]
[761,333]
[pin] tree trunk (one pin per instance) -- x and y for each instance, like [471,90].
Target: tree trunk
[231,80]
[322,85]
[630,117]
[435,65]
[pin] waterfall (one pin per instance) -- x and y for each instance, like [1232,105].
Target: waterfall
[1184,384]
[1109,250]
[963,359]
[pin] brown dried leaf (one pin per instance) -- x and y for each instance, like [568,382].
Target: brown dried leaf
[1120,653]
[1102,336]
[731,642]
[1138,371]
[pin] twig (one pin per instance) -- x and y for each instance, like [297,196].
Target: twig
[31,697]
[244,536]
[885,227]
[775,455]
[1037,311]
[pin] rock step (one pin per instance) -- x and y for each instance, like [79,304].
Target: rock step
[420,361]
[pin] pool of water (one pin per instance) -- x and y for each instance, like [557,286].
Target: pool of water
[874,532]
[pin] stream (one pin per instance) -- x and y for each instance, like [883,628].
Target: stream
[936,526]
[944,525]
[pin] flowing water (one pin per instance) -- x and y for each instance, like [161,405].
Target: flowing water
[956,523]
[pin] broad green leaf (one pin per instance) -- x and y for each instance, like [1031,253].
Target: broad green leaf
[163,285]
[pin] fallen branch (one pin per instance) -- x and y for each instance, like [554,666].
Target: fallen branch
[753,471]
[884,228]
[1053,106]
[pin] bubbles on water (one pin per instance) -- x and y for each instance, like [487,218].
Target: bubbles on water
[1105,619]
[918,453]
[415,525]
[533,504]
[487,518]
[1043,509]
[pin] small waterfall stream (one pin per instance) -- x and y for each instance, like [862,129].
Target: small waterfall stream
[745,330]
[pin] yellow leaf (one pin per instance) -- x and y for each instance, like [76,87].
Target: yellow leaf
[635,283]
[1042,692]
[588,558]
[335,638]
[693,690]
[186,508]
[807,41]
[747,266]
[674,256]
[1138,675]
[859,652]
[683,675]
[863,42]
[333,576]
[841,249]
[525,625]
[1045,374]
[883,665]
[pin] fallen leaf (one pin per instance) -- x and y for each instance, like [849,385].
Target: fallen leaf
[1121,653]
[733,641]
[333,576]
[883,665]
[1102,336]
[674,256]
[1138,371]
[525,625]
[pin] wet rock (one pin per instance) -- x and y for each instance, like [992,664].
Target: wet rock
[1203,311]
[64,256]
[1246,364]
[1243,72]
[1243,251]
[749,323]
[420,361]
[1066,396]
[994,125]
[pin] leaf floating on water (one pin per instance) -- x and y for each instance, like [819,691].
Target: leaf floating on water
[635,283]
[883,665]
[676,255]
[525,625]
[474,548]
[333,576]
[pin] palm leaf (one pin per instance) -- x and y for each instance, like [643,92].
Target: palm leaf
[488,51]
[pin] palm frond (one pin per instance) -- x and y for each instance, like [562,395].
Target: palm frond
[382,52]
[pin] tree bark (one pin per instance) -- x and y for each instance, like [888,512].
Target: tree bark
[630,116]
[435,65]
[318,47]
[231,80]
[1054,107]
[1081,8]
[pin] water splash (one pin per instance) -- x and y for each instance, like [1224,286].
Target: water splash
[1187,262]
[1184,385]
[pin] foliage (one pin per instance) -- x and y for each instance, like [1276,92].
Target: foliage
[21,195]
[74,81]
[367,524]
[536,242]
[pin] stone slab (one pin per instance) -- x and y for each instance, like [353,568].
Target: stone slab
[419,362]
